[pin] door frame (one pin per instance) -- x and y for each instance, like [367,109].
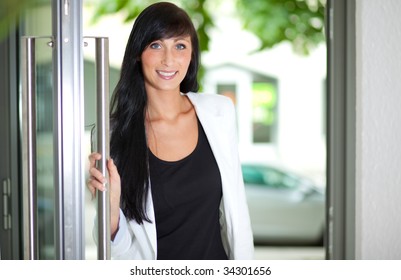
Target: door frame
[341,150]
[341,130]
[10,233]
[69,129]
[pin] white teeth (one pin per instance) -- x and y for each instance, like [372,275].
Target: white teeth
[168,74]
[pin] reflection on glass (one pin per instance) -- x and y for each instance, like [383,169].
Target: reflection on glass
[45,161]
[37,22]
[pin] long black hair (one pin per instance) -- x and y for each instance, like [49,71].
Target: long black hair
[128,145]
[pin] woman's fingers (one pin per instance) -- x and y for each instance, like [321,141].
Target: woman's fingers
[92,185]
[93,158]
[96,174]
[96,179]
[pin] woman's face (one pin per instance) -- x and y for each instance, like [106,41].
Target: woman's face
[165,63]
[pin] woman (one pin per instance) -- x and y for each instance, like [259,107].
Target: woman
[176,189]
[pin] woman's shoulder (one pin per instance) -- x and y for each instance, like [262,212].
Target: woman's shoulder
[210,100]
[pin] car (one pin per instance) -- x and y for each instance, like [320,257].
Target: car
[284,207]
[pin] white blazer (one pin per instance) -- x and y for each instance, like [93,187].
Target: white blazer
[217,116]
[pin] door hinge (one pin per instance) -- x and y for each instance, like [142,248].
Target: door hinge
[7,204]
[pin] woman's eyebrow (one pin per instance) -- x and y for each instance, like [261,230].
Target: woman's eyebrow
[183,38]
[179,38]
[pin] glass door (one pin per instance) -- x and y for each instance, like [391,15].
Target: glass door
[54,140]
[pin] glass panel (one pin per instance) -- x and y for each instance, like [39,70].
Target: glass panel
[37,22]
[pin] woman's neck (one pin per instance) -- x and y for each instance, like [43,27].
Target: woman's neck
[166,105]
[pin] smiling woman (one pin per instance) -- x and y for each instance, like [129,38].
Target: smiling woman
[176,185]
[166,60]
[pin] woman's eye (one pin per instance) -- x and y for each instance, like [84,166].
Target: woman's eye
[154,46]
[180,46]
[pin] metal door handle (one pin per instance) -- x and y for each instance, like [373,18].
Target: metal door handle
[29,148]
[102,96]
[31,250]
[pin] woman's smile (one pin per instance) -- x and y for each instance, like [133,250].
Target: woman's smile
[167,75]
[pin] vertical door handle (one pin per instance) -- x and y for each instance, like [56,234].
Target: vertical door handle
[29,148]
[102,96]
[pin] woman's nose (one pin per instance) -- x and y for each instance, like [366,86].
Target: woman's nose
[167,58]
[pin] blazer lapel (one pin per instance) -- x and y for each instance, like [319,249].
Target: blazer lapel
[212,119]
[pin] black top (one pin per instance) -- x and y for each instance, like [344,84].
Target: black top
[186,199]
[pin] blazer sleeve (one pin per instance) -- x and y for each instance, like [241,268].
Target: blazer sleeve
[243,237]
[122,240]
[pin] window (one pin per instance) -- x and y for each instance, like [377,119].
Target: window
[264,111]
[228,90]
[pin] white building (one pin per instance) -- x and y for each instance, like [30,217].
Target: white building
[287,105]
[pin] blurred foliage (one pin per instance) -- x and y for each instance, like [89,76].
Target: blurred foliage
[131,9]
[300,22]
[9,13]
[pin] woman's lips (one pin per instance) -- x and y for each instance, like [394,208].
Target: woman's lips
[167,74]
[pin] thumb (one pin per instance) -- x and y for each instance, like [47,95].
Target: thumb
[112,168]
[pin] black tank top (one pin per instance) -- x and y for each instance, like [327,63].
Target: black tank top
[186,198]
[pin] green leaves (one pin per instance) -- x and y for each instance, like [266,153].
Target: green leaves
[10,10]
[299,22]
[131,8]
